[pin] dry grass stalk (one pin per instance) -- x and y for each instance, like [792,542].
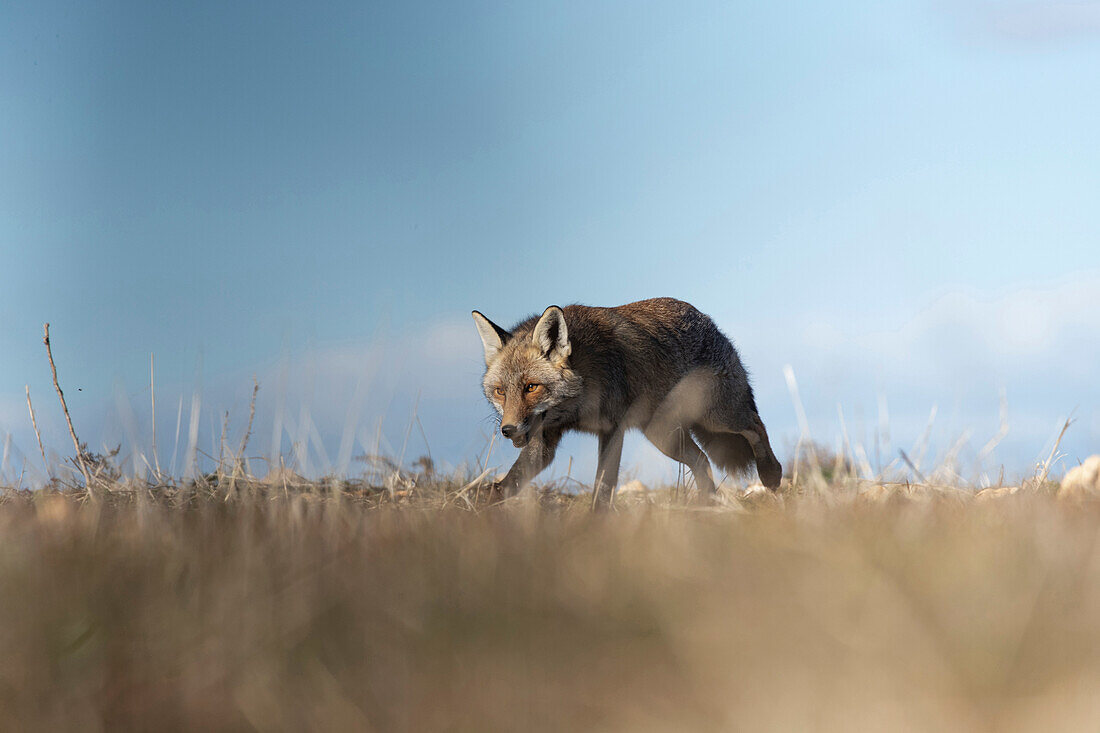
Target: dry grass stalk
[221,444]
[913,468]
[153,414]
[37,435]
[1044,471]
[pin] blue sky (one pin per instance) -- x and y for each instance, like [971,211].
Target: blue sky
[897,199]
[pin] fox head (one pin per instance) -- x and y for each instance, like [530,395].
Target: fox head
[527,372]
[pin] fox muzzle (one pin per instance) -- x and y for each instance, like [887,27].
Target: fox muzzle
[520,434]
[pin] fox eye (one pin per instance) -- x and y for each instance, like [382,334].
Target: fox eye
[531,387]
[499,391]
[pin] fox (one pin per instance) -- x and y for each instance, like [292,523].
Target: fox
[659,366]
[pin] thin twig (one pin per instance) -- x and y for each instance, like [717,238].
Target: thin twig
[37,435]
[251,415]
[65,408]
[240,461]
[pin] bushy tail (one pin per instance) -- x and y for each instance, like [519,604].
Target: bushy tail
[728,451]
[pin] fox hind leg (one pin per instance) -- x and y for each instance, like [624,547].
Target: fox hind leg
[767,465]
[676,443]
[670,424]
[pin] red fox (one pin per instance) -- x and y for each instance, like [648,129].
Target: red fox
[658,365]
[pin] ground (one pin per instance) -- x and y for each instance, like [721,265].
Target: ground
[834,605]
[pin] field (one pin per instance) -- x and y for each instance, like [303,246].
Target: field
[839,604]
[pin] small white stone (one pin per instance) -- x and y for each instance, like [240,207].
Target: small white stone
[760,495]
[993,494]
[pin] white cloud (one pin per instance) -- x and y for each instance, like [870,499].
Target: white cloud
[1030,22]
[1041,344]
[1044,21]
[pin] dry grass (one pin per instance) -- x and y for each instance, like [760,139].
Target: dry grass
[838,606]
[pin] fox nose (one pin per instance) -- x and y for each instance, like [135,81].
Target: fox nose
[507,430]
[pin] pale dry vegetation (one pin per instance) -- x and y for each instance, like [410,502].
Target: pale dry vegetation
[844,605]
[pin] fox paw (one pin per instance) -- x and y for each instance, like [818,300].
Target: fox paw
[494,493]
[770,474]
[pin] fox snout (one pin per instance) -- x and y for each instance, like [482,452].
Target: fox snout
[519,428]
[518,434]
[519,413]
[514,423]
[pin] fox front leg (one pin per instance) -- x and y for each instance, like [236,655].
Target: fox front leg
[533,458]
[607,472]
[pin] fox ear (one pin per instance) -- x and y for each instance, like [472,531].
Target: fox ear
[551,334]
[493,337]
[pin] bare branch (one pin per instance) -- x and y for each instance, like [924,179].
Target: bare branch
[251,415]
[65,409]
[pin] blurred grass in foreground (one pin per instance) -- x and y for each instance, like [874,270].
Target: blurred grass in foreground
[850,606]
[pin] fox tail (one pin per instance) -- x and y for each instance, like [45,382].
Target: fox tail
[728,451]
